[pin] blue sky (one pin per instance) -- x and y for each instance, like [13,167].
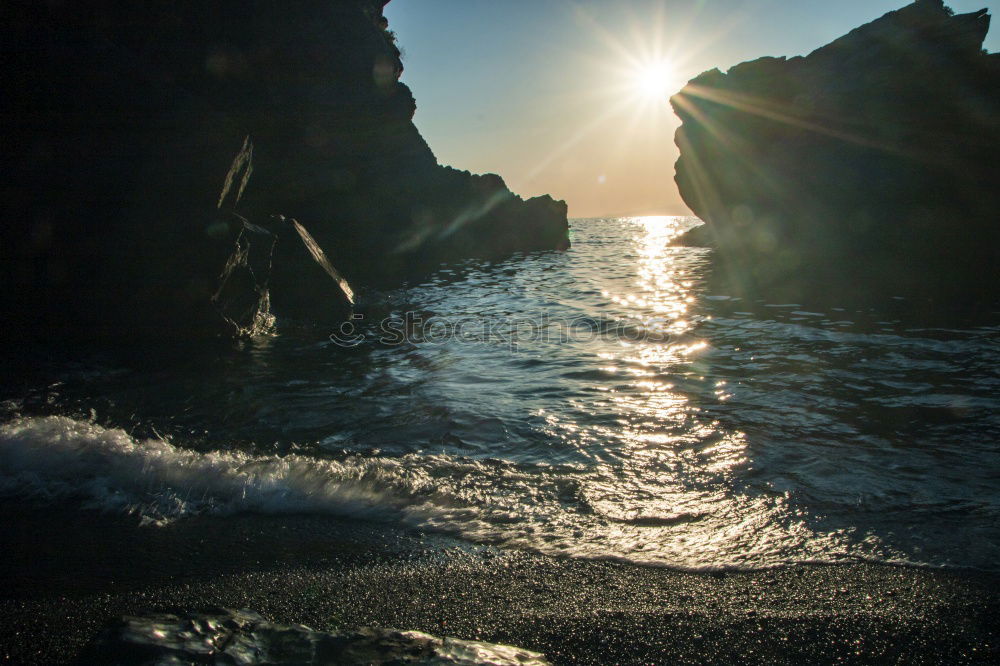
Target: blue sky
[544,92]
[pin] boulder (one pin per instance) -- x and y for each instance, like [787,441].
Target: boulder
[869,165]
[245,638]
[121,120]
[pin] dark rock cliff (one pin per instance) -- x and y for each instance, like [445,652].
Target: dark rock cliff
[122,119]
[870,164]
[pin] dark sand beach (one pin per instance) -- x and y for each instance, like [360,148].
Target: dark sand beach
[70,573]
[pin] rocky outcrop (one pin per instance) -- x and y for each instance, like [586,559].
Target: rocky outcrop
[870,164]
[122,120]
[244,637]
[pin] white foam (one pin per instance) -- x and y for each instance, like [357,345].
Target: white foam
[57,457]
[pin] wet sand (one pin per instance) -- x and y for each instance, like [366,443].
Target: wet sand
[68,572]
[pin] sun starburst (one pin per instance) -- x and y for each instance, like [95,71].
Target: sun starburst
[655,80]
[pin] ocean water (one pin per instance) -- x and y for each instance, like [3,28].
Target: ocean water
[598,403]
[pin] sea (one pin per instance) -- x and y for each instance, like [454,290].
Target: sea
[605,402]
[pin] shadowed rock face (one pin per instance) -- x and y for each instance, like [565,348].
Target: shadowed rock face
[870,164]
[122,119]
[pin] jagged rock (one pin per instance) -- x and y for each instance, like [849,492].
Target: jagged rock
[868,165]
[307,284]
[121,120]
[245,638]
[302,262]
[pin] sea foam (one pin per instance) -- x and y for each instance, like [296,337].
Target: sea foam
[568,511]
[60,458]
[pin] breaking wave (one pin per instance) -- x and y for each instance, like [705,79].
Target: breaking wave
[59,458]
[558,510]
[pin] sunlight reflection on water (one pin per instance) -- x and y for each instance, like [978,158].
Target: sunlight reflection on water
[743,435]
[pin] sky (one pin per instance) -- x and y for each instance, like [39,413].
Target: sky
[569,97]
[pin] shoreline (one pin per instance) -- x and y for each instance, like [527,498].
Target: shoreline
[70,572]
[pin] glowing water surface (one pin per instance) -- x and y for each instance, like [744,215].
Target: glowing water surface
[636,415]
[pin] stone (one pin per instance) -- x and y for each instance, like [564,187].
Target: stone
[244,638]
[868,165]
[121,120]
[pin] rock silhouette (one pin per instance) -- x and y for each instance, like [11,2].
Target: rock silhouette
[121,121]
[868,165]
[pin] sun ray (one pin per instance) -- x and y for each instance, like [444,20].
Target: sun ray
[751,105]
[575,139]
[641,66]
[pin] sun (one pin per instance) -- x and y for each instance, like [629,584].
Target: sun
[655,81]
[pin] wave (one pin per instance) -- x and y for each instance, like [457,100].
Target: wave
[563,510]
[59,458]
